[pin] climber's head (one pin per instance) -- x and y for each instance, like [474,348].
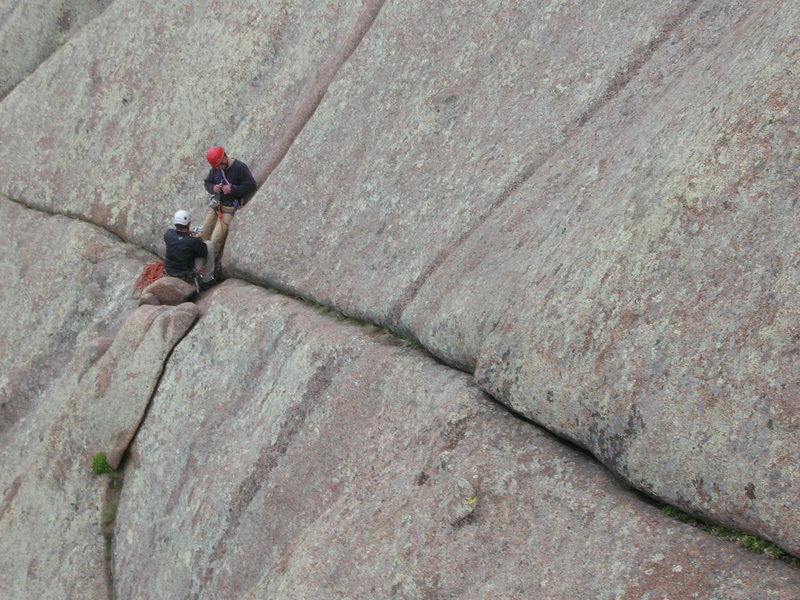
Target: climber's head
[181,219]
[216,157]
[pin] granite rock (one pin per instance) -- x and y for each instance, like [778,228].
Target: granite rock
[63,310]
[31,31]
[585,211]
[167,290]
[330,461]
[604,232]
[119,118]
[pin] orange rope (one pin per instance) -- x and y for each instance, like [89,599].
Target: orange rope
[151,273]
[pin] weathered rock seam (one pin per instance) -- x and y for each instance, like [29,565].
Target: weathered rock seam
[310,100]
[622,78]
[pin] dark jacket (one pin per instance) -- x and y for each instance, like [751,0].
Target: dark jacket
[182,249]
[240,178]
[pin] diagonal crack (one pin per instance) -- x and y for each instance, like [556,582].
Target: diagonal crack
[303,110]
[76,217]
[115,483]
[619,82]
[310,100]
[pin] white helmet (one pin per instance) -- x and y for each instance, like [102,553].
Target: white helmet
[181,217]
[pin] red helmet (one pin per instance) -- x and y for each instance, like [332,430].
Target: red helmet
[214,156]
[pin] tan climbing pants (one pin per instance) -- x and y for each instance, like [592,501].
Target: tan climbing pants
[216,229]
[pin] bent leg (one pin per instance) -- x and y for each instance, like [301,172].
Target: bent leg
[206,265]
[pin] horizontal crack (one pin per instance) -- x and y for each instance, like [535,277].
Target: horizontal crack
[78,218]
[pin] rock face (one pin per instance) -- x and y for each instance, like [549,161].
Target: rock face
[127,374]
[53,505]
[585,211]
[167,290]
[622,271]
[65,293]
[125,90]
[30,31]
[79,389]
[360,468]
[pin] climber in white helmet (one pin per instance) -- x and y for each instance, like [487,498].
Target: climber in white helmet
[187,256]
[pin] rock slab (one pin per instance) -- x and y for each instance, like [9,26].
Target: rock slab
[78,371]
[330,461]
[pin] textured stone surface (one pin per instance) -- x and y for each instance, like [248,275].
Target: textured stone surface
[51,512]
[168,290]
[66,288]
[118,120]
[590,206]
[605,230]
[31,30]
[61,310]
[434,121]
[328,461]
[127,373]
[666,342]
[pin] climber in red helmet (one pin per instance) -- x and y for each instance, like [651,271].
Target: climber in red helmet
[231,183]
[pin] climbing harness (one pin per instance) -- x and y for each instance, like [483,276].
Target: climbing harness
[217,204]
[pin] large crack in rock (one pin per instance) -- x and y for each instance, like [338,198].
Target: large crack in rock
[64,300]
[635,293]
[306,441]
[315,458]
[588,207]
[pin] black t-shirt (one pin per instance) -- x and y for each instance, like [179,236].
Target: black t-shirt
[182,249]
